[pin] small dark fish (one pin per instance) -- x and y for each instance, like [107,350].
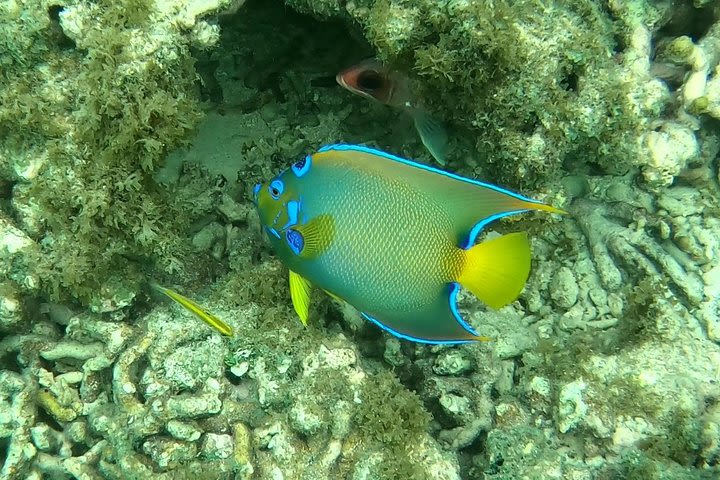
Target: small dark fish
[371,79]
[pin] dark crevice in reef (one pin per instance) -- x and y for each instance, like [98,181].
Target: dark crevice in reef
[62,41]
[265,41]
[4,444]
[79,449]
[468,458]
[9,362]
[690,21]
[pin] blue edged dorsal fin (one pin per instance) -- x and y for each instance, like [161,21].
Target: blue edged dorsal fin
[469,204]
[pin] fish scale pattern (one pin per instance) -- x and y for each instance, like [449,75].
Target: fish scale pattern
[392,250]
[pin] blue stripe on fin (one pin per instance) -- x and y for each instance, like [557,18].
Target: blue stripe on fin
[455,288]
[359,148]
[478,227]
[411,338]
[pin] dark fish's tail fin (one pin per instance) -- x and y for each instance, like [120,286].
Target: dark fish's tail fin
[433,135]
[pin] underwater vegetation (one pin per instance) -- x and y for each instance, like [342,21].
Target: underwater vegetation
[132,132]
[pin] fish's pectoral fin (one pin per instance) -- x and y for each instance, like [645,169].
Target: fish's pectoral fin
[437,323]
[433,135]
[300,290]
[496,270]
[317,234]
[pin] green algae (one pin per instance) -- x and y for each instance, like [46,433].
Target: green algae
[106,118]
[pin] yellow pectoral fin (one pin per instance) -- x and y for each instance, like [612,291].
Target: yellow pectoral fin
[317,235]
[496,270]
[300,293]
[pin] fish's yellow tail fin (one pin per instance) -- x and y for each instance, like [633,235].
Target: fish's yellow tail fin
[496,270]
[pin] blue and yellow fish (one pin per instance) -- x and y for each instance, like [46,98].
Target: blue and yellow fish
[394,238]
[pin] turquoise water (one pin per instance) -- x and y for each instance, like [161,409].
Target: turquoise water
[132,133]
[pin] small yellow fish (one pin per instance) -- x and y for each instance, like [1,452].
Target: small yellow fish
[196,309]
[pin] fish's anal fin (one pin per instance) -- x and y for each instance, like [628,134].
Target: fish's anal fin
[300,290]
[452,301]
[433,135]
[438,322]
[413,338]
[317,234]
[496,270]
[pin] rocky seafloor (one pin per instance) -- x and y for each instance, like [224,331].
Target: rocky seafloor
[132,131]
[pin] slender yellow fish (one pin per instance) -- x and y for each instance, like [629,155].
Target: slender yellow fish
[196,309]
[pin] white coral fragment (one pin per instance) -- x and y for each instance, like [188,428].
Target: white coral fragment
[669,149]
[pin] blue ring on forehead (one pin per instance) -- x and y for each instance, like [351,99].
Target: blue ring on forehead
[256,189]
[302,166]
[276,185]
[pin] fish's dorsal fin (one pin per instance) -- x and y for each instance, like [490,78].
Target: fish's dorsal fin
[317,234]
[300,290]
[469,204]
[433,135]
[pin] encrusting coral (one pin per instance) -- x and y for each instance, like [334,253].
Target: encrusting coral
[160,399]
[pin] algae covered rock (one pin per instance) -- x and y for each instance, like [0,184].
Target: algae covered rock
[605,367]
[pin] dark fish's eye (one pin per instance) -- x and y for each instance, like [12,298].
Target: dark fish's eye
[370,80]
[276,189]
[301,167]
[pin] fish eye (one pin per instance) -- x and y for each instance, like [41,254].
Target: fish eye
[370,80]
[276,189]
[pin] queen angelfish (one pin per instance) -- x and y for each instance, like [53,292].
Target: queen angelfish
[394,238]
